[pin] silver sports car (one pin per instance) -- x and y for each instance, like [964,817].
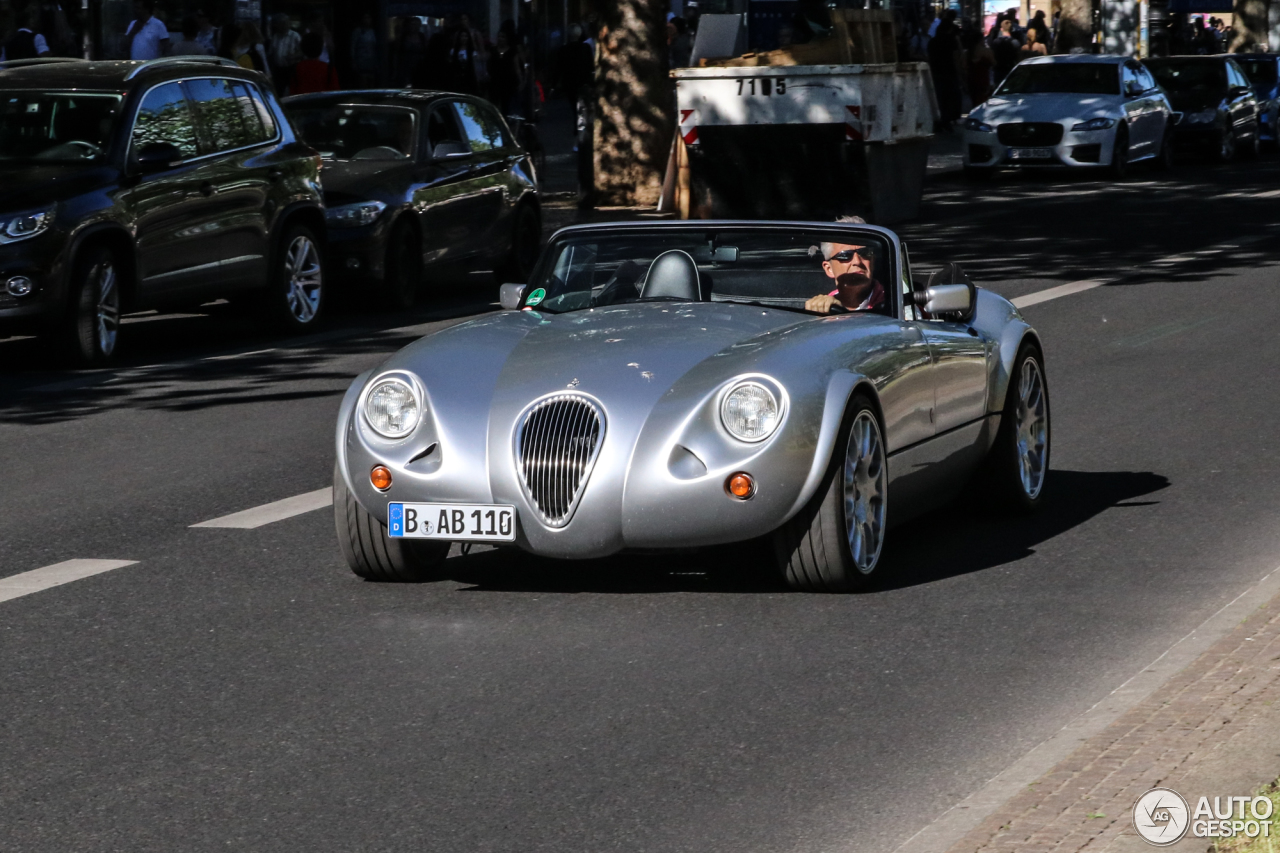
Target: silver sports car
[685,384]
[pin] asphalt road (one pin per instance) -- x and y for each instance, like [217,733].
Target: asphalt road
[239,689]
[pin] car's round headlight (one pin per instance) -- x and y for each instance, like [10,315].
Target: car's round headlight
[750,412]
[392,408]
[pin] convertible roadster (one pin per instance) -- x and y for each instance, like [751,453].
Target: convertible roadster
[686,384]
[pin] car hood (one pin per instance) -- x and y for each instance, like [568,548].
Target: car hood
[1195,100]
[25,187]
[1048,107]
[349,181]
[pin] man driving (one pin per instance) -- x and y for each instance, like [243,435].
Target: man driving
[852,267]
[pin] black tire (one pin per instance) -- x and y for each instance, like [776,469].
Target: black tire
[403,267]
[371,553]
[526,240]
[813,550]
[297,294]
[1003,474]
[92,328]
[1119,168]
[1226,146]
[1253,147]
[1166,160]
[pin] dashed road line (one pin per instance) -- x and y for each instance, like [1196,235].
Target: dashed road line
[1059,291]
[35,580]
[276,511]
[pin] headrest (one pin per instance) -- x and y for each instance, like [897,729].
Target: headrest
[674,275]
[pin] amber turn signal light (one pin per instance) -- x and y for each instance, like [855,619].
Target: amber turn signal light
[380,476]
[740,485]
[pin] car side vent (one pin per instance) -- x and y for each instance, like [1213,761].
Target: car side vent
[556,448]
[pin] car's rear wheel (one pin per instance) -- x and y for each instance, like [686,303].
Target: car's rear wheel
[1018,465]
[834,543]
[526,239]
[1120,154]
[371,553]
[93,324]
[1226,145]
[404,267]
[297,282]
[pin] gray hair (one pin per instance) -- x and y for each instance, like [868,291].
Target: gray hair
[824,248]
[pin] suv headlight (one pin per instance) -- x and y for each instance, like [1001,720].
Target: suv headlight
[23,226]
[750,411]
[980,126]
[354,215]
[1095,124]
[392,406]
[1201,117]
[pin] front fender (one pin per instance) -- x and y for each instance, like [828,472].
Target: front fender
[1000,322]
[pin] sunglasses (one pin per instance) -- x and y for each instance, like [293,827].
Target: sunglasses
[865,252]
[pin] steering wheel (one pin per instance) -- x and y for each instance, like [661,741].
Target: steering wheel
[87,150]
[837,308]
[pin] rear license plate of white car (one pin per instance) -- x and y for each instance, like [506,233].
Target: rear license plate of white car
[455,522]
[1030,153]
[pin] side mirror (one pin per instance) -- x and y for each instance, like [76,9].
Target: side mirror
[509,295]
[1133,89]
[157,156]
[451,151]
[946,299]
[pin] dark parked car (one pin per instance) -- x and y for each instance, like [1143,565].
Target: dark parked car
[1219,109]
[132,185]
[1263,71]
[414,178]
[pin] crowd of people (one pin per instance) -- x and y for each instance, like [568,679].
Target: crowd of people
[457,57]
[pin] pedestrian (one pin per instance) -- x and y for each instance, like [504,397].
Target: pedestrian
[679,43]
[189,45]
[918,43]
[1006,50]
[284,51]
[434,71]
[411,48]
[462,63]
[146,38]
[26,42]
[364,52]
[313,74]
[208,34]
[1033,47]
[945,64]
[979,63]
[481,47]
[315,24]
[249,51]
[504,72]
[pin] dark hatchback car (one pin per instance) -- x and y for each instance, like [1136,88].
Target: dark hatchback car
[1219,109]
[1263,71]
[135,185]
[415,178]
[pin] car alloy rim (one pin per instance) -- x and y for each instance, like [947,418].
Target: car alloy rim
[302,269]
[1032,419]
[108,310]
[865,491]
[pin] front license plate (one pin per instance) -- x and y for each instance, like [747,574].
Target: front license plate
[455,522]
[1030,153]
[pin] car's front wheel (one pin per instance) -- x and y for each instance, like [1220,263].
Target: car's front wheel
[1252,147]
[371,553]
[93,324]
[404,267]
[834,543]
[526,238]
[1226,145]
[1120,154]
[1167,158]
[298,280]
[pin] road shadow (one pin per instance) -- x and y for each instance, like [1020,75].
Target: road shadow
[956,540]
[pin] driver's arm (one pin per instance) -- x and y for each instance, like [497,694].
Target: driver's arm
[820,304]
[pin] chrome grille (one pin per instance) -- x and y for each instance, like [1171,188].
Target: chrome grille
[1043,133]
[556,447]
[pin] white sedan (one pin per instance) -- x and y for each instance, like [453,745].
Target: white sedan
[1074,110]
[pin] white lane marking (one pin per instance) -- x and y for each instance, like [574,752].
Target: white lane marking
[238,355]
[978,806]
[35,580]
[1059,291]
[276,511]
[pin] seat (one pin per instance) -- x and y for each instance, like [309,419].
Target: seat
[673,275]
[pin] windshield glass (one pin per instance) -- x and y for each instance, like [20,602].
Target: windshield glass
[1183,76]
[1074,78]
[356,132]
[781,268]
[1261,71]
[55,128]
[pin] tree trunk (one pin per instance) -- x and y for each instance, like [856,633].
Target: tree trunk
[1251,25]
[634,103]
[1075,27]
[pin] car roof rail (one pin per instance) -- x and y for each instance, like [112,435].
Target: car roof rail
[39,60]
[178,60]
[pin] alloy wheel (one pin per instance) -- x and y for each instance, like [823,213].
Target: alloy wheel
[108,308]
[865,491]
[1032,424]
[303,279]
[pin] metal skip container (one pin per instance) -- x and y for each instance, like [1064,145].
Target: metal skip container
[803,141]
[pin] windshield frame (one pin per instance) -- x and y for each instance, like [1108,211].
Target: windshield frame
[111,138]
[414,117]
[837,232]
